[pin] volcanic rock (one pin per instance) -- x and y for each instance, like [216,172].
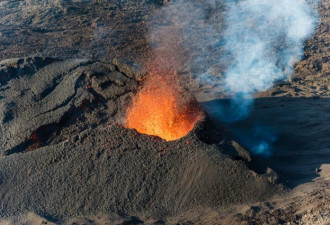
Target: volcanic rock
[65,152]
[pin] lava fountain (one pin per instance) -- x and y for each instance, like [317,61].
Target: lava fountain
[163,108]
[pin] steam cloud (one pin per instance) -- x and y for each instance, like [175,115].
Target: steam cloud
[242,46]
[239,47]
[265,38]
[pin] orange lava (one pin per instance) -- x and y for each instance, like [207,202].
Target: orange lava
[162,108]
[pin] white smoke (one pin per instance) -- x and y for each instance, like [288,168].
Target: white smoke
[266,38]
[243,46]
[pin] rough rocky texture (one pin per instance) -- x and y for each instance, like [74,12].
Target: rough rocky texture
[65,152]
[40,95]
[106,29]
[74,28]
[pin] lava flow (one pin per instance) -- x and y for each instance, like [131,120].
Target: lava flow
[162,108]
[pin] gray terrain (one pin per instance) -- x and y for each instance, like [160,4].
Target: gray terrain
[68,72]
[65,153]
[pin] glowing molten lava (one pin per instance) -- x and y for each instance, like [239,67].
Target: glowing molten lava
[162,108]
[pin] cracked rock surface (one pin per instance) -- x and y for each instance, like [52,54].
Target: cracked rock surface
[42,95]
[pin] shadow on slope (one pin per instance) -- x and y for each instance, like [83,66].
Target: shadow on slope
[291,135]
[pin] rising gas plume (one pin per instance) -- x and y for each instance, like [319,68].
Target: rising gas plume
[239,47]
[242,46]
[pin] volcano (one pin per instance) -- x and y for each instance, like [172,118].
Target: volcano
[70,156]
[76,146]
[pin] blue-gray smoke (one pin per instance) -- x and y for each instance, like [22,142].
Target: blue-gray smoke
[237,47]
[259,139]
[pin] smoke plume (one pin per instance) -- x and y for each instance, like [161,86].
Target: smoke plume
[240,46]
[265,39]
[237,47]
